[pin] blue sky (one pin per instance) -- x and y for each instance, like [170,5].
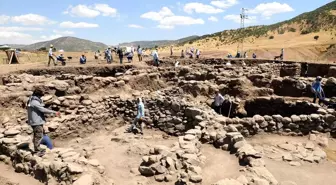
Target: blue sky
[112,21]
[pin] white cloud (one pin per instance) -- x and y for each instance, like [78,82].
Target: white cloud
[134,26]
[224,3]
[10,37]
[201,8]
[68,24]
[166,27]
[32,19]
[82,11]
[4,19]
[18,28]
[269,9]
[157,16]
[172,21]
[236,19]
[106,10]
[66,32]
[50,37]
[213,19]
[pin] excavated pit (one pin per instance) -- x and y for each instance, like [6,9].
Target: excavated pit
[96,100]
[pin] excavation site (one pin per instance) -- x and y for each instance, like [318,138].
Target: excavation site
[268,130]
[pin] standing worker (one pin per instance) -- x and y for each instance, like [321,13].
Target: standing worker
[282,54]
[50,54]
[139,53]
[318,90]
[120,54]
[139,118]
[108,55]
[219,99]
[156,58]
[198,53]
[36,118]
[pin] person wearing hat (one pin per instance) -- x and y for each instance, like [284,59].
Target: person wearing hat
[36,118]
[50,54]
[318,90]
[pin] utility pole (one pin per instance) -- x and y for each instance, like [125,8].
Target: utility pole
[243,16]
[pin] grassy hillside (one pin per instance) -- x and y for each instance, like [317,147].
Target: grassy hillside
[321,19]
[70,44]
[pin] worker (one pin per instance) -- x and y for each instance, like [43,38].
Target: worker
[304,69]
[50,54]
[82,59]
[229,55]
[182,54]
[96,55]
[61,59]
[156,58]
[171,50]
[198,53]
[120,54]
[130,57]
[139,53]
[318,90]
[137,123]
[245,54]
[218,102]
[36,118]
[254,56]
[108,56]
[282,54]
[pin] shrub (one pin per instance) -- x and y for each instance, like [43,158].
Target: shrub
[292,30]
[271,37]
[281,31]
[316,37]
[304,32]
[191,42]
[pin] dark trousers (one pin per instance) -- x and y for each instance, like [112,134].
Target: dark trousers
[37,138]
[121,59]
[218,109]
[51,58]
[137,123]
[317,96]
[140,58]
[156,62]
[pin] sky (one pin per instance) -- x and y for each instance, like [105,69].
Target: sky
[113,22]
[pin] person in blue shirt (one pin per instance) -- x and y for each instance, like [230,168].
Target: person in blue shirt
[139,118]
[82,59]
[318,90]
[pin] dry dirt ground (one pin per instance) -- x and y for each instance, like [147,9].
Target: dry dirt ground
[122,155]
[307,173]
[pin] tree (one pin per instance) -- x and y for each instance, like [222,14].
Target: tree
[316,37]
[42,49]
[54,49]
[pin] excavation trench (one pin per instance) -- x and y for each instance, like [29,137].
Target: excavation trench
[92,101]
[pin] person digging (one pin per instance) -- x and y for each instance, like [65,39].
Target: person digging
[218,102]
[137,123]
[36,118]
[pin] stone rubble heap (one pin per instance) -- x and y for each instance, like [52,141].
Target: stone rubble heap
[179,163]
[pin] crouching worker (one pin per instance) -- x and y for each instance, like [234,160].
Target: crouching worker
[317,90]
[137,123]
[61,59]
[36,118]
[82,59]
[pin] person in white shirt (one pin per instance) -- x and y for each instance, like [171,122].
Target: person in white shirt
[219,99]
[156,58]
[50,54]
[198,53]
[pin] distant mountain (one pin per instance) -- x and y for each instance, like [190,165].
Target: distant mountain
[16,46]
[151,44]
[68,44]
